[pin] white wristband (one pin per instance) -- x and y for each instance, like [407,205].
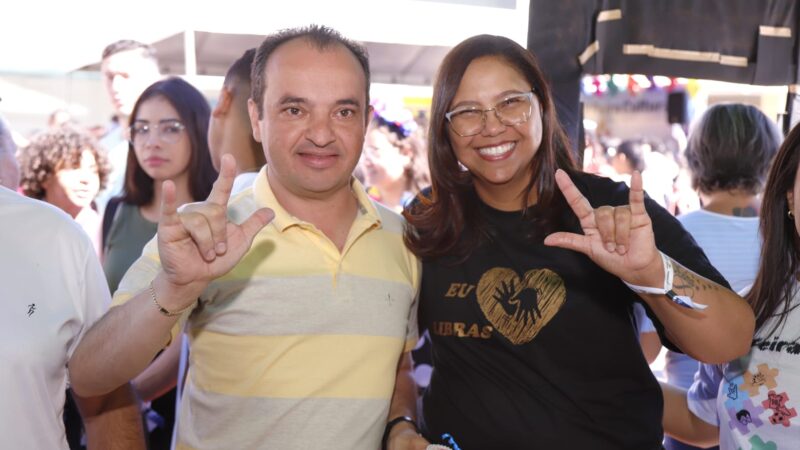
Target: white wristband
[669,273]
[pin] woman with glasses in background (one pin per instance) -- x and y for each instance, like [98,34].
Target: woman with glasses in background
[167,141]
[167,134]
[523,287]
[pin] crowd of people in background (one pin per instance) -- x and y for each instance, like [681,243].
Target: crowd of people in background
[296,265]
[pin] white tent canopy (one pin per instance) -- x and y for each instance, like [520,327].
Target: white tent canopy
[53,47]
[52,37]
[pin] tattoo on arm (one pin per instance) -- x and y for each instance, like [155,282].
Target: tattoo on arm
[689,283]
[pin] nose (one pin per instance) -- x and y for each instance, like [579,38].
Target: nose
[88,175]
[320,132]
[117,81]
[151,138]
[492,126]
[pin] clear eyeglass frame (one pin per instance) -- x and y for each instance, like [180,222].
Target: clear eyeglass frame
[168,132]
[505,121]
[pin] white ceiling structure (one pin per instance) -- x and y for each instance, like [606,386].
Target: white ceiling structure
[406,38]
[50,49]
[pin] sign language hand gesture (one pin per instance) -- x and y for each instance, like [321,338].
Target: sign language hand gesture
[619,239]
[199,244]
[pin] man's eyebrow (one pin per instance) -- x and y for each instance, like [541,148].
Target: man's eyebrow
[290,99]
[350,102]
[286,99]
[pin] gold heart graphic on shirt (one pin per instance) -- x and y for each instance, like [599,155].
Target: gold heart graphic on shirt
[519,309]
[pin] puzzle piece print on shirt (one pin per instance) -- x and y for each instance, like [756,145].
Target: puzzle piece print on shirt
[759,444]
[742,418]
[764,377]
[735,398]
[781,413]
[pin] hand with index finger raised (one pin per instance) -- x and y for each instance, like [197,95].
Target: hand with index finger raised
[619,239]
[207,221]
[188,241]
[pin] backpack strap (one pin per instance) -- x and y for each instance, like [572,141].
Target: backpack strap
[109,216]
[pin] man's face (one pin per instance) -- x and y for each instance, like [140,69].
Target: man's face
[125,75]
[314,118]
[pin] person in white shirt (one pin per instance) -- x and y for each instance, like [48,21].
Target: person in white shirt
[53,291]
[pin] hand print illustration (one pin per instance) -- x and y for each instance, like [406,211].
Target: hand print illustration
[519,308]
[520,305]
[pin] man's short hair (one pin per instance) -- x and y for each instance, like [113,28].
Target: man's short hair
[239,71]
[319,36]
[124,45]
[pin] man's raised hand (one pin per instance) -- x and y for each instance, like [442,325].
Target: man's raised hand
[199,244]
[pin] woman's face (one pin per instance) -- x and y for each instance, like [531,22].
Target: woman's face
[160,141]
[384,163]
[74,188]
[499,155]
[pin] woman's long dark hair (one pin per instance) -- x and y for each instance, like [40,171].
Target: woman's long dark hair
[771,294]
[448,221]
[194,113]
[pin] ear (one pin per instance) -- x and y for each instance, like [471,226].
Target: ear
[224,103]
[255,123]
[368,116]
[790,200]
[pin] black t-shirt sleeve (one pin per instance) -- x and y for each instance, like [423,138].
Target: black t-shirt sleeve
[670,236]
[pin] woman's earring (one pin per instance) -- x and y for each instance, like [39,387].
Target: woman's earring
[790,214]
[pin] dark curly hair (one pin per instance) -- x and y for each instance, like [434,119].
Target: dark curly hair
[53,150]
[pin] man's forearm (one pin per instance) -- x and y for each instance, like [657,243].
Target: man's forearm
[123,342]
[112,421]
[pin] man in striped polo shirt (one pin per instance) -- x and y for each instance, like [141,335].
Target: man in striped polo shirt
[298,294]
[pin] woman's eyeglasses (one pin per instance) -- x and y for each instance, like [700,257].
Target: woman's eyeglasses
[512,110]
[167,131]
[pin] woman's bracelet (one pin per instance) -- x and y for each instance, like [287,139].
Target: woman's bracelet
[669,273]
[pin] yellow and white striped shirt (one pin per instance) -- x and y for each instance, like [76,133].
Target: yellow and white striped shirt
[297,347]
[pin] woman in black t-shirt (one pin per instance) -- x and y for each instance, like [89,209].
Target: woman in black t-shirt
[524,264]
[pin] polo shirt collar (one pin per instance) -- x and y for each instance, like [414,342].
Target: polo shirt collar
[264,197]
